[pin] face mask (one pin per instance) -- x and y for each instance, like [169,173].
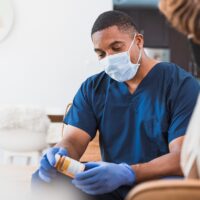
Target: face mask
[119,66]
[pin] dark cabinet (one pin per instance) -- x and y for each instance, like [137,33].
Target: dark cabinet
[152,25]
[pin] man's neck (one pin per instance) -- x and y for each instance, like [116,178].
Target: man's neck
[145,66]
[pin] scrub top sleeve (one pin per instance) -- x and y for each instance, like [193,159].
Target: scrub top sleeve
[81,114]
[183,101]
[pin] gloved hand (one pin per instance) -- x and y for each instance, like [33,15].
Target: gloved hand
[103,177]
[47,169]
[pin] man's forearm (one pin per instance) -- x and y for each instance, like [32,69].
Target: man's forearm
[167,165]
[75,141]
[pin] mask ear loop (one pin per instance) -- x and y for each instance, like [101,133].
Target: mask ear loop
[131,45]
[140,56]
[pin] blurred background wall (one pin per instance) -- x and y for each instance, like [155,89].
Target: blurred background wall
[48,52]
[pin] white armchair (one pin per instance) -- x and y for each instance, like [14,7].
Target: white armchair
[23,132]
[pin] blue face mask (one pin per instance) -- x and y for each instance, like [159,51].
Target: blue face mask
[119,66]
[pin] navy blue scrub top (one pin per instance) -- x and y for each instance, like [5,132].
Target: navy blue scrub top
[135,128]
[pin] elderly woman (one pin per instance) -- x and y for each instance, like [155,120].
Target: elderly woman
[184,15]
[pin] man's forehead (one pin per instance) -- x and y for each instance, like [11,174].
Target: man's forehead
[108,36]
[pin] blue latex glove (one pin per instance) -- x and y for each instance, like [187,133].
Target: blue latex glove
[103,177]
[47,169]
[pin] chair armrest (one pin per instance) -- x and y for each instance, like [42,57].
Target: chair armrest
[166,190]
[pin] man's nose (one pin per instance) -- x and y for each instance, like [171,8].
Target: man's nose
[109,53]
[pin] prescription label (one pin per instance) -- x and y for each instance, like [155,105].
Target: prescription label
[68,166]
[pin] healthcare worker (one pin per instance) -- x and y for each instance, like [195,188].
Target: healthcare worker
[140,106]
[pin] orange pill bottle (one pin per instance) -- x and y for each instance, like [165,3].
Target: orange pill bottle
[68,166]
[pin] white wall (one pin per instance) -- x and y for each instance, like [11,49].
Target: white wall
[48,52]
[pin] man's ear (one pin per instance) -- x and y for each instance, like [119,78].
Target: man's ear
[140,41]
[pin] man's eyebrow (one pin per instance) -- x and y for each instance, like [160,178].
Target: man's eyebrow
[111,44]
[116,42]
[98,50]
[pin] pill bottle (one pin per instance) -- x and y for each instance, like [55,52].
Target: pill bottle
[68,166]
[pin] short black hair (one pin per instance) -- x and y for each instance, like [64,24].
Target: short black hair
[114,18]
